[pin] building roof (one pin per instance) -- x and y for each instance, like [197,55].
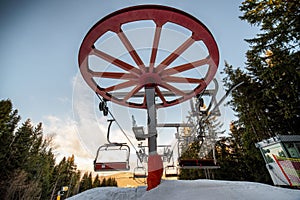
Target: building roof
[278,139]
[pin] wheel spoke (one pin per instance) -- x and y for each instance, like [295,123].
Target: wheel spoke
[154,47]
[160,95]
[165,63]
[114,75]
[121,86]
[184,67]
[144,100]
[172,89]
[119,63]
[176,79]
[132,92]
[131,51]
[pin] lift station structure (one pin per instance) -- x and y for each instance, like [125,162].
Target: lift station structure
[282,157]
[182,58]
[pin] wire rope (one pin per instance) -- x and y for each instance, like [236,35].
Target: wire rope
[120,127]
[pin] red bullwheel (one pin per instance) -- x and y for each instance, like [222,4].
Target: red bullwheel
[123,81]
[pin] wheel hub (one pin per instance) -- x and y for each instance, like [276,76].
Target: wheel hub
[149,79]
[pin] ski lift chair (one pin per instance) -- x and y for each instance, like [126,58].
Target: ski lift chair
[199,163]
[115,165]
[171,171]
[139,172]
[112,146]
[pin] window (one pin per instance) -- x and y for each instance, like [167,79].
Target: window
[293,149]
[275,149]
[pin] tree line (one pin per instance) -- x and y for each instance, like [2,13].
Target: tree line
[267,103]
[87,182]
[28,168]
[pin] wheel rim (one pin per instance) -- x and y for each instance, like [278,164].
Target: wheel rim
[163,75]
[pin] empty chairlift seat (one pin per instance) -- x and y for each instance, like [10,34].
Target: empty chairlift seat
[139,172]
[171,171]
[120,152]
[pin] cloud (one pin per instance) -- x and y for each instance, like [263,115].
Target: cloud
[65,140]
[90,125]
[83,133]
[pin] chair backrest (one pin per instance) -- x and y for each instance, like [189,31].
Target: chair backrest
[111,166]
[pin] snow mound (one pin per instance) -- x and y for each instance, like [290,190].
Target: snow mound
[197,189]
[110,193]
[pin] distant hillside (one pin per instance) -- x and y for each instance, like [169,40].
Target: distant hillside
[125,179]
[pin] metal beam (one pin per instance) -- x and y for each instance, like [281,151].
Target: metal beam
[164,93]
[151,112]
[175,125]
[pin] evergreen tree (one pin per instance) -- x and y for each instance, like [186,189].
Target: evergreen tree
[28,169]
[66,174]
[274,61]
[96,182]
[272,75]
[114,182]
[233,157]
[82,182]
[103,182]
[19,187]
[25,157]
[89,181]
[9,119]
[47,161]
[77,184]
[267,103]
[108,182]
[86,182]
[228,160]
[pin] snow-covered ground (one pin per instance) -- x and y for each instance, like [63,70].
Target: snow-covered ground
[192,190]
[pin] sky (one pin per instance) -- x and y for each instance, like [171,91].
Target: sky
[39,72]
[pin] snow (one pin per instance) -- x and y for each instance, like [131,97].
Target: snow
[197,189]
